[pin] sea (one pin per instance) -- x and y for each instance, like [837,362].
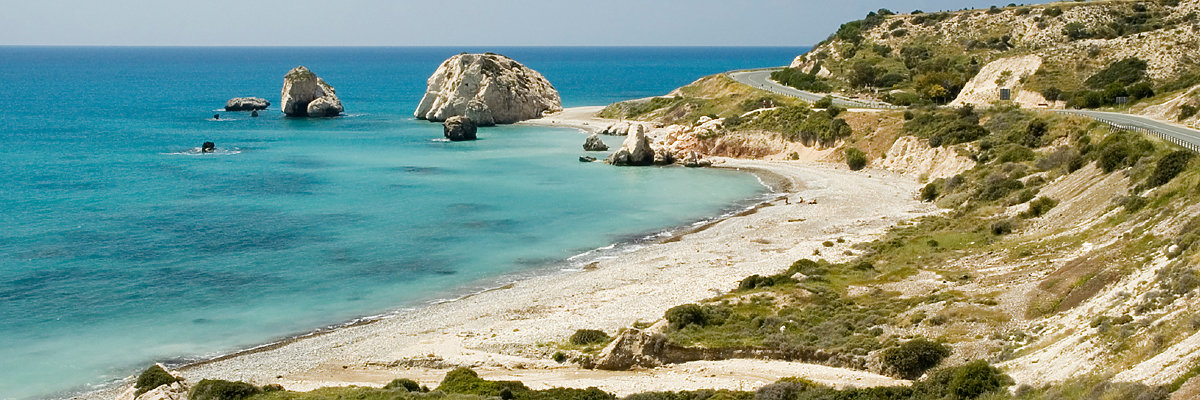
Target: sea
[122,245]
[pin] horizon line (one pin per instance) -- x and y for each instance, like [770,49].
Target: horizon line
[391,46]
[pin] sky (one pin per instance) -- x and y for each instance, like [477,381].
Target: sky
[440,22]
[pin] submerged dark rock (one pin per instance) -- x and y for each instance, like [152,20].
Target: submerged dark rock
[208,147]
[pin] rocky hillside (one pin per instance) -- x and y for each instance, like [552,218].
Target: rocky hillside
[1039,51]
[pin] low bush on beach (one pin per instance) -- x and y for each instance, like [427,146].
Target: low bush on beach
[216,389]
[153,377]
[585,337]
[466,381]
[855,159]
[408,385]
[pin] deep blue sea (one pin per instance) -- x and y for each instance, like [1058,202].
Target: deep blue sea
[120,246]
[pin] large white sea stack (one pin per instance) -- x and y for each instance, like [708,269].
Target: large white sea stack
[487,88]
[306,95]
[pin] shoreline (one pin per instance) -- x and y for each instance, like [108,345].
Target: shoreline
[504,330]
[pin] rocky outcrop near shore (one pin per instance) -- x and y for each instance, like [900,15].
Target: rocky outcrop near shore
[625,128]
[247,104]
[593,143]
[306,95]
[635,150]
[459,128]
[489,89]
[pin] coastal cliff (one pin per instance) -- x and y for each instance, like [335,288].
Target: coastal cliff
[488,89]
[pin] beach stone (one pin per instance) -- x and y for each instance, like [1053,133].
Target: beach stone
[246,104]
[593,143]
[487,88]
[459,128]
[635,150]
[306,95]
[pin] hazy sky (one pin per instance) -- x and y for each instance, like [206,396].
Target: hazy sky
[439,22]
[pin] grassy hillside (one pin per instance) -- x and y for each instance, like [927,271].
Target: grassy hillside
[928,58]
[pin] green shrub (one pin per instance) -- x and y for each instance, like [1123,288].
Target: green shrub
[824,102]
[1039,207]
[1186,111]
[559,357]
[1003,227]
[688,314]
[798,79]
[680,317]
[995,187]
[969,381]
[1169,167]
[216,389]
[1125,72]
[912,358]
[153,377]
[1121,149]
[585,337]
[403,383]
[758,281]
[855,159]
[930,192]
[466,381]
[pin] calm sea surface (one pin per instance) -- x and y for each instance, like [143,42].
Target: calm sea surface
[119,246]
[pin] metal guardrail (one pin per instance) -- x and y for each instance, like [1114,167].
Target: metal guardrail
[1141,129]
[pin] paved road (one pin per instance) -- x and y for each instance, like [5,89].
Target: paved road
[762,79]
[1183,136]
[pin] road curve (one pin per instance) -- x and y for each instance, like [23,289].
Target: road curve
[761,79]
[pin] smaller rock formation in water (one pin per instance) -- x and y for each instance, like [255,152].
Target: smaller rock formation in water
[635,150]
[254,113]
[208,147]
[593,143]
[459,128]
[246,104]
[587,159]
[487,88]
[216,116]
[306,95]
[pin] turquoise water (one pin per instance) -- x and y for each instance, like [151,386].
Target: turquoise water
[120,246]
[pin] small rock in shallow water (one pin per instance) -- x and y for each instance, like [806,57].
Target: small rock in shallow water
[587,159]
[208,147]
[459,128]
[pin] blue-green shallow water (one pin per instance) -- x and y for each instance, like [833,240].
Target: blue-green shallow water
[119,246]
